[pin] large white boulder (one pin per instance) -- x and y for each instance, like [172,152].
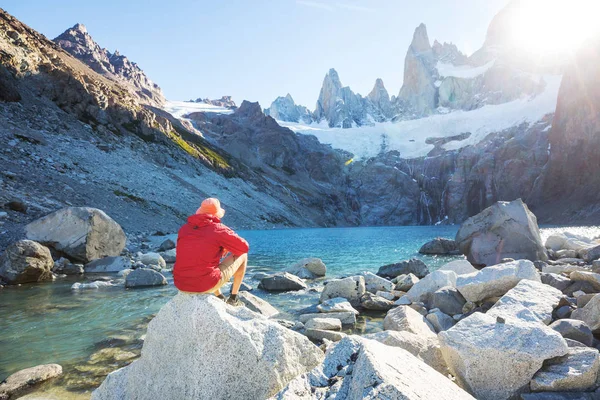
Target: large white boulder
[83,233]
[257,304]
[404,318]
[496,280]
[26,261]
[198,347]
[351,289]
[374,283]
[577,371]
[460,267]
[429,284]
[337,304]
[504,230]
[367,369]
[530,301]
[492,359]
[308,268]
[425,348]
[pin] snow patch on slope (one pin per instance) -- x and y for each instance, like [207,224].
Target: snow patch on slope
[408,137]
[180,108]
[462,71]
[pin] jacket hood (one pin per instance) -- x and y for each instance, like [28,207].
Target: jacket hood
[203,219]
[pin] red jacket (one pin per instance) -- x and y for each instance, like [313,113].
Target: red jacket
[200,246]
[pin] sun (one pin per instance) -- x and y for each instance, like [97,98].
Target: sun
[554,26]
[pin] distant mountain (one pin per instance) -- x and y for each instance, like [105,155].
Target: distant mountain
[284,109]
[115,66]
[224,101]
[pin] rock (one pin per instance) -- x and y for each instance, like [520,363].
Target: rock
[530,301]
[563,268]
[347,317]
[16,205]
[369,301]
[568,241]
[320,335]
[375,375]
[26,261]
[151,258]
[403,301]
[414,266]
[460,267]
[282,282]
[590,314]
[373,283]
[555,280]
[563,312]
[447,299]
[495,280]
[405,282]
[490,357]
[580,288]
[575,330]
[82,233]
[419,307]
[210,333]
[336,304]
[245,287]
[440,321]
[440,246]
[566,254]
[583,300]
[313,267]
[426,349]
[387,295]
[351,288]
[170,256]
[577,371]
[125,272]
[560,396]
[91,285]
[257,304]
[168,244]
[27,378]
[506,229]
[73,269]
[432,282]
[327,324]
[108,264]
[591,277]
[404,318]
[142,277]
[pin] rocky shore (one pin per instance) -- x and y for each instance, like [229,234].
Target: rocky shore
[517,318]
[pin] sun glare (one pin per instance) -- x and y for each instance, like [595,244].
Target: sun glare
[554,26]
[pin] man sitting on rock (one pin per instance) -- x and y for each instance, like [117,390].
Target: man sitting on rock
[202,264]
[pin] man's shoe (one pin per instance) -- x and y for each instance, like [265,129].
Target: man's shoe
[221,297]
[234,301]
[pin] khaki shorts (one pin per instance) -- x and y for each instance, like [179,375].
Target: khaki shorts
[228,267]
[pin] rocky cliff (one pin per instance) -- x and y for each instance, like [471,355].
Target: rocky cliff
[224,101]
[115,66]
[285,109]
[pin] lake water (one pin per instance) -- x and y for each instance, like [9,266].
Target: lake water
[50,323]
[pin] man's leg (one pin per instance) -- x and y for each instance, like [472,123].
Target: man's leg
[238,275]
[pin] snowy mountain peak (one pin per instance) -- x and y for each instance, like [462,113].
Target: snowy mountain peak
[420,42]
[284,109]
[379,92]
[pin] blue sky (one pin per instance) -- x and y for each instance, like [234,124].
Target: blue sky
[260,49]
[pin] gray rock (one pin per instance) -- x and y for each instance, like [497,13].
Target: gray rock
[282,282]
[257,304]
[26,261]
[590,254]
[351,288]
[337,304]
[447,299]
[320,335]
[28,378]
[108,264]
[560,396]
[506,229]
[347,317]
[575,330]
[563,312]
[414,266]
[82,233]
[577,371]
[460,267]
[64,266]
[369,301]
[309,268]
[167,244]
[327,324]
[209,333]
[490,357]
[404,318]
[566,254]
[170,256]
[403,301]
[374,283]
[555,280]
[590,314]
[405,282]
[142,277]
[245,287]
[584,276]
[440,321]
[440,246]
[496,280]
[530,301]
[429,284]
[583,300]
[389,295]
[152,258]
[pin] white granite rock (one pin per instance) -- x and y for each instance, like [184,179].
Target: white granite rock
[577,371]
[351,288]
[460,267]
[404,318]
[327,324]
[257,304]
[590,314]
[586,276]
[374,283]
[432,282]
[337,304]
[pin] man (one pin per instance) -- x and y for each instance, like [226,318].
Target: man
[201,265]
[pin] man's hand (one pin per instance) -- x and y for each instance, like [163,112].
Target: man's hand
[225,251]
